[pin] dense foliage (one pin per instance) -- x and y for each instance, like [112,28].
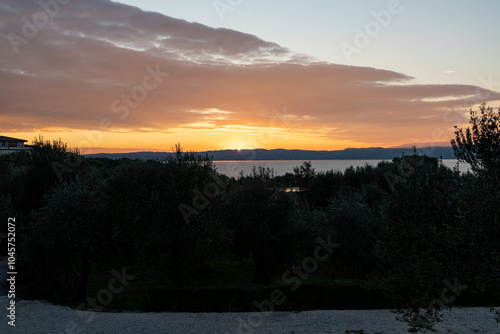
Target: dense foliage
[419,231]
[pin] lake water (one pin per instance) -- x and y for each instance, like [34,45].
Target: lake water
[281,167]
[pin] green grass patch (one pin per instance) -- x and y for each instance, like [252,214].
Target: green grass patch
[227,287]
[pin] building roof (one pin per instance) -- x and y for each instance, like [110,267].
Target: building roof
[3,138]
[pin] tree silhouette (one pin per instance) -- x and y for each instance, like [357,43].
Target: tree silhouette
[479,145]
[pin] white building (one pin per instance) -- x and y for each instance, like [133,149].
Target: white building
[11,145]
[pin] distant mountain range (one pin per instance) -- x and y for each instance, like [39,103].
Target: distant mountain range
[371,153]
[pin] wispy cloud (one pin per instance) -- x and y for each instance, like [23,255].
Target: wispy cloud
[94,51]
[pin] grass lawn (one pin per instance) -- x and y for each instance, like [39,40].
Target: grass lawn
[228,286]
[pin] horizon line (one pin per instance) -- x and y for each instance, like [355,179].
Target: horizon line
[136,150]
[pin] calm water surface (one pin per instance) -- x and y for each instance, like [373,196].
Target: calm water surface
[281,167]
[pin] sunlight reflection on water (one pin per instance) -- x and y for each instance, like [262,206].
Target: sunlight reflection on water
[281,167]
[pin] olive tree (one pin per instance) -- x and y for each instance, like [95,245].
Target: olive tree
[67,236]
[479,145]
[261,218]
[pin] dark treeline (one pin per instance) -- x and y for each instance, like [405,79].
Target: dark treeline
[412,226]
[377,153]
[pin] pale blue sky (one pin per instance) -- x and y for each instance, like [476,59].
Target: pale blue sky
[97,52]
[447,41]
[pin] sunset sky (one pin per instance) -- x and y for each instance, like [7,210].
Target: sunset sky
[224,74]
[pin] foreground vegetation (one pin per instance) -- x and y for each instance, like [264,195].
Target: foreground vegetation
[410,234]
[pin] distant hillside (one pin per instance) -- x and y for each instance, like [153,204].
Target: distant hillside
[375,153]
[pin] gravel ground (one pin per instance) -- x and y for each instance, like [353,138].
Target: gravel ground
[41,317]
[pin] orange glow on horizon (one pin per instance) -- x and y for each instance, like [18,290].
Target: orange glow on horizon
[149,83]
[91,142]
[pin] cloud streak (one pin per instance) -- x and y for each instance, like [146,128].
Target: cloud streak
[95,51]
